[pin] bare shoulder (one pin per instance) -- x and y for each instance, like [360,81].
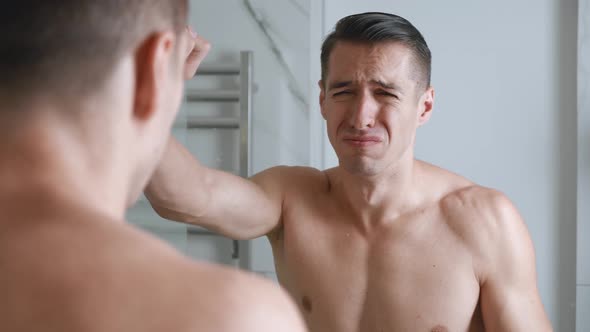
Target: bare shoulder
[255,304]
[199,295]
[476,199]
[466,202]
[107,276]
[78,271]
[484,219]
[489,224]
[291,177]
[212,297]
[479,206]
[265,306]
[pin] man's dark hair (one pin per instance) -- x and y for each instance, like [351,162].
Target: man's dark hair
[70,46]
[376,27]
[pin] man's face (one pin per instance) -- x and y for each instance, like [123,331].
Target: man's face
[372,103]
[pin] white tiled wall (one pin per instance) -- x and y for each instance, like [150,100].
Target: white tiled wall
[277,33]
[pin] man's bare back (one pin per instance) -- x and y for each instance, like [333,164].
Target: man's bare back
[76,152]
[69,268]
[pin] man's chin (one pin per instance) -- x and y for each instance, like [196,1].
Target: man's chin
[360,166]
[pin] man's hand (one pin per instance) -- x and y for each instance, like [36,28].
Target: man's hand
[197,49]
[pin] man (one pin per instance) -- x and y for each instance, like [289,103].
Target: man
[89,90]
[382,242]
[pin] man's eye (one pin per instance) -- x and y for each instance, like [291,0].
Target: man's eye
[346,92]
[387,94]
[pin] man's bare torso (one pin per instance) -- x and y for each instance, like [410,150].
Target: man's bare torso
[65,268]
[71,270]
[412,272]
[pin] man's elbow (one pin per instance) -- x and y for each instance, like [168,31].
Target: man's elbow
[176,207]
[167,212]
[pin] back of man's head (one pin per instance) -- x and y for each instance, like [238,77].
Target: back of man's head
[67,48]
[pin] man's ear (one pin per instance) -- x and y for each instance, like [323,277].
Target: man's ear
[153,59]
[322,98]
[426,106]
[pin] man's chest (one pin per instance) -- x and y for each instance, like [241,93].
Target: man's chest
[395,278]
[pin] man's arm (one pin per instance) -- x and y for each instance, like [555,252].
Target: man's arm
[510,299]
[182,189]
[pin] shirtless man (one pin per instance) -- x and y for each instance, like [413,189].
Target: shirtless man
[89,91]
[382,242]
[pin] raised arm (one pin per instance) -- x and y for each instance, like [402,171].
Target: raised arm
[182,189]
[509,297]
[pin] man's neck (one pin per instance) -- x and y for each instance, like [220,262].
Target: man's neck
[381,197]
[47,159]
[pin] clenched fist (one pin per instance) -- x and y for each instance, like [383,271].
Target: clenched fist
[197,49]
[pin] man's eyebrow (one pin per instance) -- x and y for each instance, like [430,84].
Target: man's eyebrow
[387,85]
[339,84]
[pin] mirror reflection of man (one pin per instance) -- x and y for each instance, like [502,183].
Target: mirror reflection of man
[382,242]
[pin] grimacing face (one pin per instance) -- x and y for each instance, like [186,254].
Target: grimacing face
[373,104]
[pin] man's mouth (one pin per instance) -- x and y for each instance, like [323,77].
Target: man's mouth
[362,141]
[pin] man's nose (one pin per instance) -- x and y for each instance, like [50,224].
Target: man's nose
[363,112]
